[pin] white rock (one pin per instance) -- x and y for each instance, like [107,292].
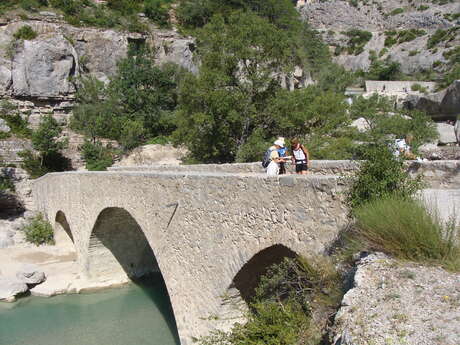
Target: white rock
[446,133]
[4,127]
[360,124]
[31,274]
[6,238]
[9,289]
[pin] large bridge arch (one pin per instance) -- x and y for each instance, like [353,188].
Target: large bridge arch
[118,247]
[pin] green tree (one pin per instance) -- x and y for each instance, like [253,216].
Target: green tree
[138,104]
[45,140]
[243,59]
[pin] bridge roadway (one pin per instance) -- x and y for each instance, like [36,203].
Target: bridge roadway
[210,234]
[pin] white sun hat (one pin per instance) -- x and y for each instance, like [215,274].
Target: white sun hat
[279,142]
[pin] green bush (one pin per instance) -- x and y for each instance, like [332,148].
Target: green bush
[25,33]
[405,229]
[418,87]
[381,175]
[14,120]
[396,11]
[442,36]
[357,40]
[6,182]
[39,231]
[157,11]
[423,8]
[48,156]
[96,156]
[280,313]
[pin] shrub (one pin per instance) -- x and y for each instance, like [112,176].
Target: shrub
[39,231]
[6,182]
[442,36]
[413,52]
[418,87]
[157,11]
[423,8]
[381,175]
[48,157]
[280,313]
[357,40]
[396,11]
[25,33]
[14,120]
[405,229]
[96,156]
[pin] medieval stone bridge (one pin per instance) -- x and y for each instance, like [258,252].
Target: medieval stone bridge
[210,233]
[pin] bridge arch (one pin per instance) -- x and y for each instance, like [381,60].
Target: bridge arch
[118,247]
[235,301]
[62,232]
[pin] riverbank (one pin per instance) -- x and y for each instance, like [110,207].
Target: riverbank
[60,268]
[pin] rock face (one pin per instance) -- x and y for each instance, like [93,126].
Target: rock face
[43,68]
[38,75]
[389,305]
[333,18]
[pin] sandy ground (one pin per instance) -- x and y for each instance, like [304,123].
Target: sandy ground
[59,265]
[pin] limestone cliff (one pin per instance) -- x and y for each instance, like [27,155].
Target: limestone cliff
[334,18]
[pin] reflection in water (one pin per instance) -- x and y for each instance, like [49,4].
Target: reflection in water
[137,314]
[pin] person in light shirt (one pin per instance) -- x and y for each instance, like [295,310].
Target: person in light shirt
[300,157]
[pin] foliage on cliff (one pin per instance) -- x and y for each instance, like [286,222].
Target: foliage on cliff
[109,14]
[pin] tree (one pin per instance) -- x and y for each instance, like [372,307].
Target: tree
[138,104]
[45,140]
[243,59]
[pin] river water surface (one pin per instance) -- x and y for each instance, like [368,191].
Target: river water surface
[138,314]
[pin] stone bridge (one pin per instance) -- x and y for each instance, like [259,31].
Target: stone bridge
[211,234]
[211,230]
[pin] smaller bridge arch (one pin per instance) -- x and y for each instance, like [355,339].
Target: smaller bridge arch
[62,232]
[235,301]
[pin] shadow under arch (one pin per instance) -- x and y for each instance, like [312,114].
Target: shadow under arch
[118,248]
[248,277]
[62,233]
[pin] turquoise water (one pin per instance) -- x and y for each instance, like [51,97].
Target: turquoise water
[132,315]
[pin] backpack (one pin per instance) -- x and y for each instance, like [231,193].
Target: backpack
[266,160]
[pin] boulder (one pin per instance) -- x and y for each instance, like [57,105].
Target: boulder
[430,151]
[31,274]
[10,288]
[360,124]
[446,133]
[43,67]
[4,127]
[450,104]
[429,103]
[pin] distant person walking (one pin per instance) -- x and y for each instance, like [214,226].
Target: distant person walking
[300,157]
[272,158]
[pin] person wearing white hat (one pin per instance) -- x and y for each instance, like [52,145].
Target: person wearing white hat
[275,159]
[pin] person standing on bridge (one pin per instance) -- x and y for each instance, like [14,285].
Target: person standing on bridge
[300,157]
[274,158]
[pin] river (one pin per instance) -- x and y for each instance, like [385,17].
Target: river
[137,314]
